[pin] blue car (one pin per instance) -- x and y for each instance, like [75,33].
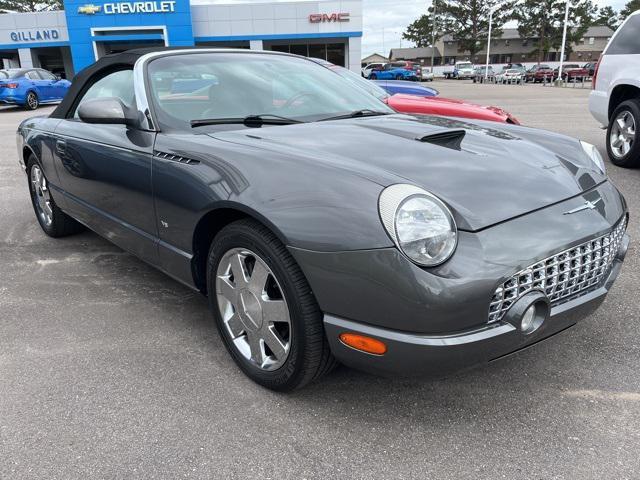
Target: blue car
[393,72]
[406,88]
[30,87]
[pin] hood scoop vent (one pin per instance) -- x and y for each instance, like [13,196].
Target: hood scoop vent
[449,139]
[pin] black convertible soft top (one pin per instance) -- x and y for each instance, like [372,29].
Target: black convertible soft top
[104,66]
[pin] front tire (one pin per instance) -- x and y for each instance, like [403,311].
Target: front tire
[264,309]
[622,147]
[31,102]
[53,221]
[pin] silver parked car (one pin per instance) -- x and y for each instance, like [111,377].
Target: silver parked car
[615,99]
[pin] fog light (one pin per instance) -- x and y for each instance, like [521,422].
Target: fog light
[363,343]
[528,319]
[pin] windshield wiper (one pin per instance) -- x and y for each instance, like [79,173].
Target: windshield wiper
[357,113]
[249,121]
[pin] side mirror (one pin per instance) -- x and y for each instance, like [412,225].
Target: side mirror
[108,110]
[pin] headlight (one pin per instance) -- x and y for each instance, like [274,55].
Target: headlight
[419,223]
[594,155]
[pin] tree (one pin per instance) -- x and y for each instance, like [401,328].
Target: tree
[607,16]
[466,20]
[420,31]
[30,5]
[544,20]
[629,8]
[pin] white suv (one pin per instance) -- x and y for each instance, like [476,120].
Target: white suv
[615,99]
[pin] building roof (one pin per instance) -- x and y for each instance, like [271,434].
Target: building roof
[374,57]
[411,53]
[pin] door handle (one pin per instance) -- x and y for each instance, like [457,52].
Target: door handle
[61,146]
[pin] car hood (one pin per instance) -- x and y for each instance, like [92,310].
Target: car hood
[496,174]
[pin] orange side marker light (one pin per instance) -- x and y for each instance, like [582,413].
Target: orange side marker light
[363,343]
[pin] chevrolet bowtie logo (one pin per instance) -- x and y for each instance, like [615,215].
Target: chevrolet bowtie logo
[89,9]
[587,206]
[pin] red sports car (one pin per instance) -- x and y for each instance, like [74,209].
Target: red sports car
[426,105]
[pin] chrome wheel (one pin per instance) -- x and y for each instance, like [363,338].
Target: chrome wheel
[253,309]
[32,101]
[623,134]
[41,195]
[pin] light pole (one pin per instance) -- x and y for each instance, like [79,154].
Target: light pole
[486,67]
[564,38]
[433,34]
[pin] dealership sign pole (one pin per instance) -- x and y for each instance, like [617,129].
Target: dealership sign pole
[433,34]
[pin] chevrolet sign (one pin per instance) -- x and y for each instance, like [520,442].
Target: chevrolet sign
[165,6]
[89,9]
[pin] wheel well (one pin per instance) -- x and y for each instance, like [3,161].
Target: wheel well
[206,229]
[26,153]
[620,94]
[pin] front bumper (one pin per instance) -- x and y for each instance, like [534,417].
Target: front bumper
[421,310]
[410,354]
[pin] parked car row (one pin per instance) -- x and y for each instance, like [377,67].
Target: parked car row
[517,73]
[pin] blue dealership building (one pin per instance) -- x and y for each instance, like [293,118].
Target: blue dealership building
[69,40]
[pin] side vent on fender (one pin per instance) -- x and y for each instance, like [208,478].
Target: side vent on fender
[175,158]
[449,139]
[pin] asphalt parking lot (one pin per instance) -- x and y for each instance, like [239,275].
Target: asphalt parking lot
[109,369]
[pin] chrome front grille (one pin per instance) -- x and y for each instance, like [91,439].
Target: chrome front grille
[562,276]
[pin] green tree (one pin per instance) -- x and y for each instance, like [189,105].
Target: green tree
[607,16]
[629,8]
[420,31]
[544,20]
[466,20]
[30,5]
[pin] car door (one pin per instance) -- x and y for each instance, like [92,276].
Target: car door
[50,82]
[105,171]
[43,88]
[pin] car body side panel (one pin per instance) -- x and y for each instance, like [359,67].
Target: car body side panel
[105,171]
[309,205]
[382,287]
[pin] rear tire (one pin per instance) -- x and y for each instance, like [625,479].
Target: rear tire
[31,102]
[300,353]
[622,145]
[53,221]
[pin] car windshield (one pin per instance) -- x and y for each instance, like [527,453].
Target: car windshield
[240,85]
[360,82]
[465,65]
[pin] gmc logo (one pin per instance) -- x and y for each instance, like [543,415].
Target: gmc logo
[328,17]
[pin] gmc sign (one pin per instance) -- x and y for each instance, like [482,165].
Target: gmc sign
[328,17]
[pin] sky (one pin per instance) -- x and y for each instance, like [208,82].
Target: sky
[385,20]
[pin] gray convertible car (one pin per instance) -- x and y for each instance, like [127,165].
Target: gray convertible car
[322,225]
